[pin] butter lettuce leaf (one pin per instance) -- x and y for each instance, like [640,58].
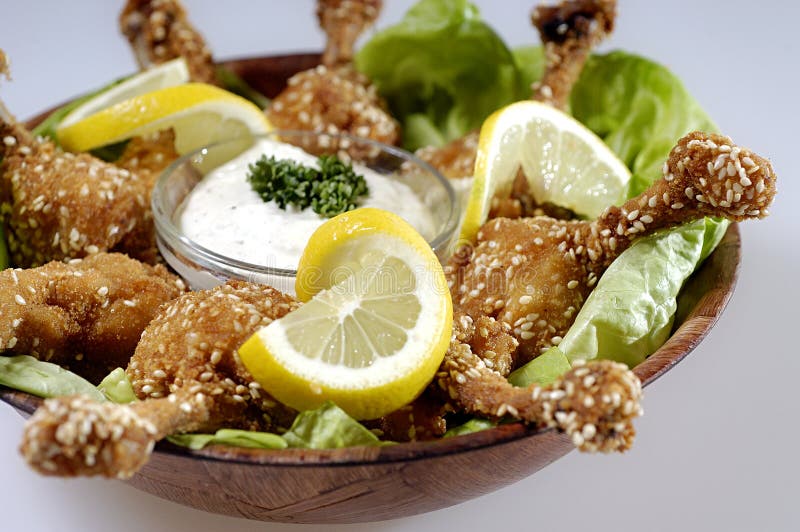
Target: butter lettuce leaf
[43,379]
[117,388]
[442,71]
[328,427]
[630,313]
[233,437]
[639,108]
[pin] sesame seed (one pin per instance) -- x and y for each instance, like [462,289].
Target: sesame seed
[525,300]
[20,300]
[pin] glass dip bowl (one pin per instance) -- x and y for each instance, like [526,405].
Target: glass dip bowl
[203,267]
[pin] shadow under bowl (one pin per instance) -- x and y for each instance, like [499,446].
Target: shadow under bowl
[362,484]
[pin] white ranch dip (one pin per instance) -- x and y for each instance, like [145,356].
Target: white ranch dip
[225,215]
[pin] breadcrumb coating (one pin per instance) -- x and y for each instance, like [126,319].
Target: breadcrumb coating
[534,274]
[333,97]
[159,30]
[569,32]
[188,377]
[343,21]
[191,348]
[58,205]
[86,315]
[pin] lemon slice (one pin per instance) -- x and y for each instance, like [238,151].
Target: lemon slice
[200,114]
[376,329]
[165,75]
[564,162]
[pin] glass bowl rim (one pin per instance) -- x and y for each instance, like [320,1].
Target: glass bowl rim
[168,232]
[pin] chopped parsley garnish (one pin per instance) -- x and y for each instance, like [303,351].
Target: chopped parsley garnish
[332,189]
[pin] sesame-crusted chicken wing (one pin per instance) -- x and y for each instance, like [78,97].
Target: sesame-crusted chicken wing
[343,21]
[569,31]
[188,377]
[159,30]
[57,205]
[593,403]
[424,418]
[333,97]
[86,315]
[534,274]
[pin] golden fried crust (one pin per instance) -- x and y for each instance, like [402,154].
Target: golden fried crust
[569,31]
[535,273]
[75,436]
[455,159]
[343,21]
[86,315]
[59,205]
[191,348]
[423,419]
[159,30]
[333,101]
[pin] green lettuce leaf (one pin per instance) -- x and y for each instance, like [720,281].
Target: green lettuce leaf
[631,310]
[233,437]
[328,427]
[117,388]
[542,370]
[43,379]
[639,108]
[442,70]
[473,425]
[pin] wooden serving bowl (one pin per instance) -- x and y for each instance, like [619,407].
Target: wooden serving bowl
[361,484]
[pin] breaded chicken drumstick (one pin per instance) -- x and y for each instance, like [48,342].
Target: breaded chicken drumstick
[57,205]
[188,375]
[86,315]
[159,30]
[333,97]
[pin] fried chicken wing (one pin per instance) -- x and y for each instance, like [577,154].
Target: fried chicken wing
[592,403]
[569,31]
[56,205]
[343,21]
[188,375]
[86,315]
[333,97]
[159,30]
[535,273]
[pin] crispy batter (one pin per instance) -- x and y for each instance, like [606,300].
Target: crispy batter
[594,403]
[535,273]
[343,21]
[86,315]
[569,31]
[422,419]
[75,436]
[58,205]
[334,97]
[188,375]
[159,30]
[149,156]
[333,101]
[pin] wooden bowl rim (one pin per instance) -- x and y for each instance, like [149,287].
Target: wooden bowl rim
[689,334]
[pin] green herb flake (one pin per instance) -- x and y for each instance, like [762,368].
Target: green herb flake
[332,189]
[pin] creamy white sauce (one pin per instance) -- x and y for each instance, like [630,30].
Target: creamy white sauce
[225,215]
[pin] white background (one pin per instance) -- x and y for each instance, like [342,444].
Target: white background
[718,446]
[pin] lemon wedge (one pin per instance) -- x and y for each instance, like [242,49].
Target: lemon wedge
[563,161]
[200,114]
[375,326]
[169,74]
